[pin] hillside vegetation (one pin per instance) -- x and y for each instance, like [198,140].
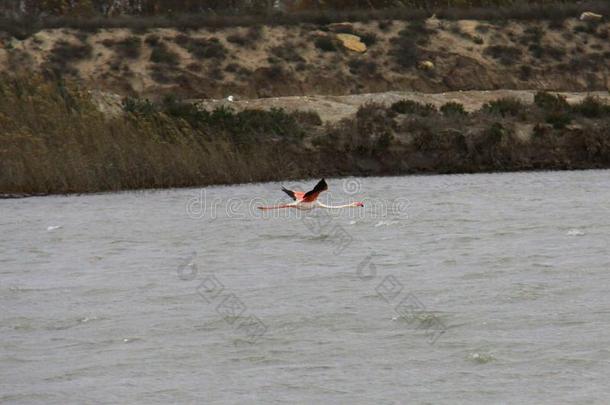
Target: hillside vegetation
[98,95]
[54,140]
[300,54]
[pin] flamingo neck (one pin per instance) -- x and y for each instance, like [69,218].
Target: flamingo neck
[338,206]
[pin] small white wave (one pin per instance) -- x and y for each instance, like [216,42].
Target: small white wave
[384,223]
[575,232]
[481,358]
[53,227]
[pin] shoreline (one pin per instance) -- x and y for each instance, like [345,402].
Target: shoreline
[15,196]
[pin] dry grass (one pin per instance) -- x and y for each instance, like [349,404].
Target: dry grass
[54,140]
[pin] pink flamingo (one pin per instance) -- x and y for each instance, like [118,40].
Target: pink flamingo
[309,200]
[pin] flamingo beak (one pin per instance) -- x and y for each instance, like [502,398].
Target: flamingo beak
[359,204]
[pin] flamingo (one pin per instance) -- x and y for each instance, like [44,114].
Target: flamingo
[309,200]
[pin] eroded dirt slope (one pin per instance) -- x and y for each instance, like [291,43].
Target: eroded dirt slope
[306,59]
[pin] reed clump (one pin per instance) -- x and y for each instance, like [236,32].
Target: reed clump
[54,140]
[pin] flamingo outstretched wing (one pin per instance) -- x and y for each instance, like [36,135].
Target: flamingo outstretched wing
[276,207]
[295,195]
[312,195]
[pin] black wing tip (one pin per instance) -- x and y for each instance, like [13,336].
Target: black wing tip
[289,192]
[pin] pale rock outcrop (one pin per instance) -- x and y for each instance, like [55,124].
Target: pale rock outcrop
[352,42]
[590,16]
[425,65]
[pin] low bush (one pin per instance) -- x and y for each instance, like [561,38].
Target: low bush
[404,51]
[506,55]
[287,52]
[453,108]
[368,38]
[202,48]
[506,106]
[362,67]
[525,72]
[129,47]
[559,119]
[136,105]
[418,31]
[325,44]
[152,40]
[550,102]
[413,107]
[532,34]
[385,25]
[162,54]
[63,54]
[592,107]
[307,118]
[539,51]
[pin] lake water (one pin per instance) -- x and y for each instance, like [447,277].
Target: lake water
[487,288]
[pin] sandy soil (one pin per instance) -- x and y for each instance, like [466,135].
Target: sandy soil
[285,60]
[334,108]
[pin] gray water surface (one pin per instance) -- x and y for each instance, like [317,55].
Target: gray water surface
[489,288]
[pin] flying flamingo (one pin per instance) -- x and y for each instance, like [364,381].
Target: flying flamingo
[309,200]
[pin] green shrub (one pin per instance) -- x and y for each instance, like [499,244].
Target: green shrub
[362,67]
[161,54]
[551,102]
[495,133]
[244,127]
[368,38]
[138,106]
[592,107]
[405,51]
[307,118]
[384,25]
[478,40]
[418,31]
[539,51]
[152,40]
[129,47]
[240,40]
[453,108]
[525,72]
[64,53]
[506,55]
[287,52]
[325,44]
[210,48]
[505,106]
[532,34]
[559,119]
[413,107]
